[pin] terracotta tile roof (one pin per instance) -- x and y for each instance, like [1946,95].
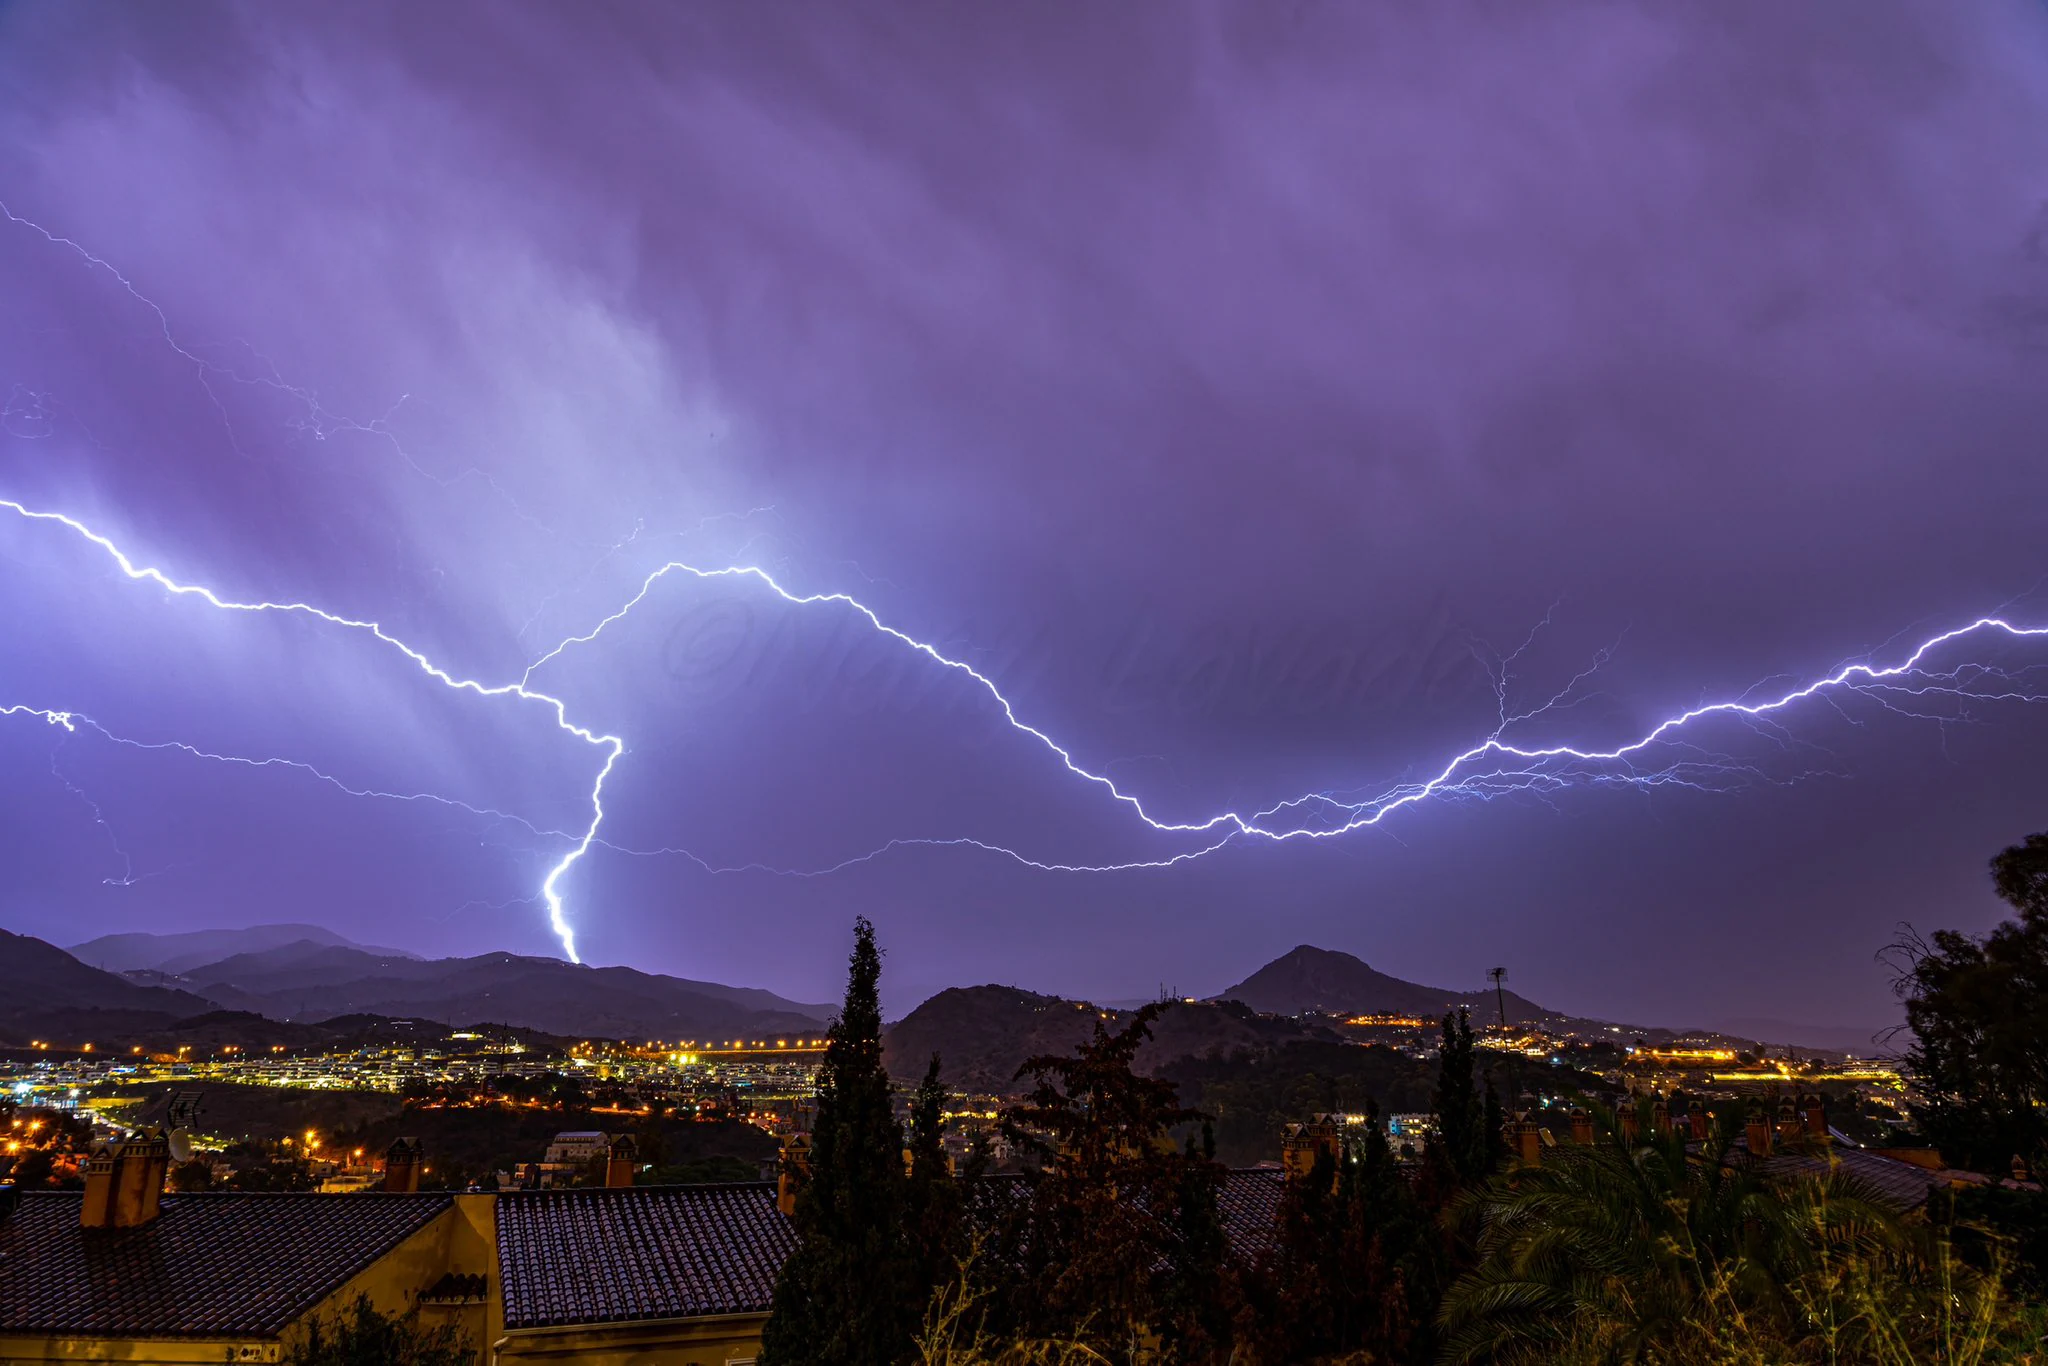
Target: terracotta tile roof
[668,1252]
[643,1252]
[1897,1183]
[1250,1205]
[211,1265]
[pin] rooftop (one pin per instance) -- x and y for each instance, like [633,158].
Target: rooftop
[662,1252]
[244,1264]
[646,1252]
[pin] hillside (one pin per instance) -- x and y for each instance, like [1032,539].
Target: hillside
[984,1034]
[1253,1095]
[46,984]
[279,992]
[1308,979]
[179,953]
[309,981]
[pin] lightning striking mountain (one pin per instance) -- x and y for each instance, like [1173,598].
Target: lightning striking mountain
[1495,765]
[611,745]
[1492,767]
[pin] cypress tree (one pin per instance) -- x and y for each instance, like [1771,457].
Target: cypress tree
[932,1204]
[849,1294]
[1462,1145]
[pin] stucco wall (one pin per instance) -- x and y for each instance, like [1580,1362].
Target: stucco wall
[692,1342]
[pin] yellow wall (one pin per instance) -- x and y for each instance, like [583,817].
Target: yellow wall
[463,1240]
[452,1242]
[145,1352]
[687,1342]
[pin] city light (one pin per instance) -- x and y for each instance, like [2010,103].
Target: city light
[1685,1055]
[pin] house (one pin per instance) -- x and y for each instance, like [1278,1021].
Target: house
[670,1274]
[572,1156]
[675,1275]
[686,1274]
[225,1277]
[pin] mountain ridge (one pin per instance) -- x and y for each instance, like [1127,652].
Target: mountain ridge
[307,980]
[1307,980]
[182,950]
[44,977]
[286,979]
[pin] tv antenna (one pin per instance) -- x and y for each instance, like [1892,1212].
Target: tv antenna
[183,1108]
[181,1112]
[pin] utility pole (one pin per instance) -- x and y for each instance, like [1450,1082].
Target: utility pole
[1500,997]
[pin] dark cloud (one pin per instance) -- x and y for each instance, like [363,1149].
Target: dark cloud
[1221,379]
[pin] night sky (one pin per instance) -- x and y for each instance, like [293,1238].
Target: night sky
[1234,386]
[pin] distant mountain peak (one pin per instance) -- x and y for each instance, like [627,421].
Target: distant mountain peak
[308,973]
[180,951]
[1331,982]
[1309,953]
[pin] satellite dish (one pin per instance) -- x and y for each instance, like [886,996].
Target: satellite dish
[180,1143]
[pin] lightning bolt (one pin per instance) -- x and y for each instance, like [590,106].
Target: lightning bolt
[99,818]
[1465,773]
[1494,767]
[316,420]
[611,745]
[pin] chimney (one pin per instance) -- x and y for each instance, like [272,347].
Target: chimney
[1631,1120]
[1525,1139]
[618,1165]
[100,1169]
[1791,1128]
[1582,1126]
[795,1170]
[1814,1109]
[1660,1117]
[124,1183]
[1701,1123]
[402,1166]
[1758,1133]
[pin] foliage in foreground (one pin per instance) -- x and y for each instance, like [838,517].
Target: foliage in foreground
[956,1333]
[1111,1250]
[868,1232]
[1978,1010]
[1118,1241]
[1642,1254]
[361,1335]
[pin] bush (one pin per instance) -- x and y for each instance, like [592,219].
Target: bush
[361,1335]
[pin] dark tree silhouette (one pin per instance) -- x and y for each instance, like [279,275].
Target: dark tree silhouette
[1355,1271]
[850,1294]
[932,1203]
[1978,1012]
[1466,1125]
[1118,1240]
